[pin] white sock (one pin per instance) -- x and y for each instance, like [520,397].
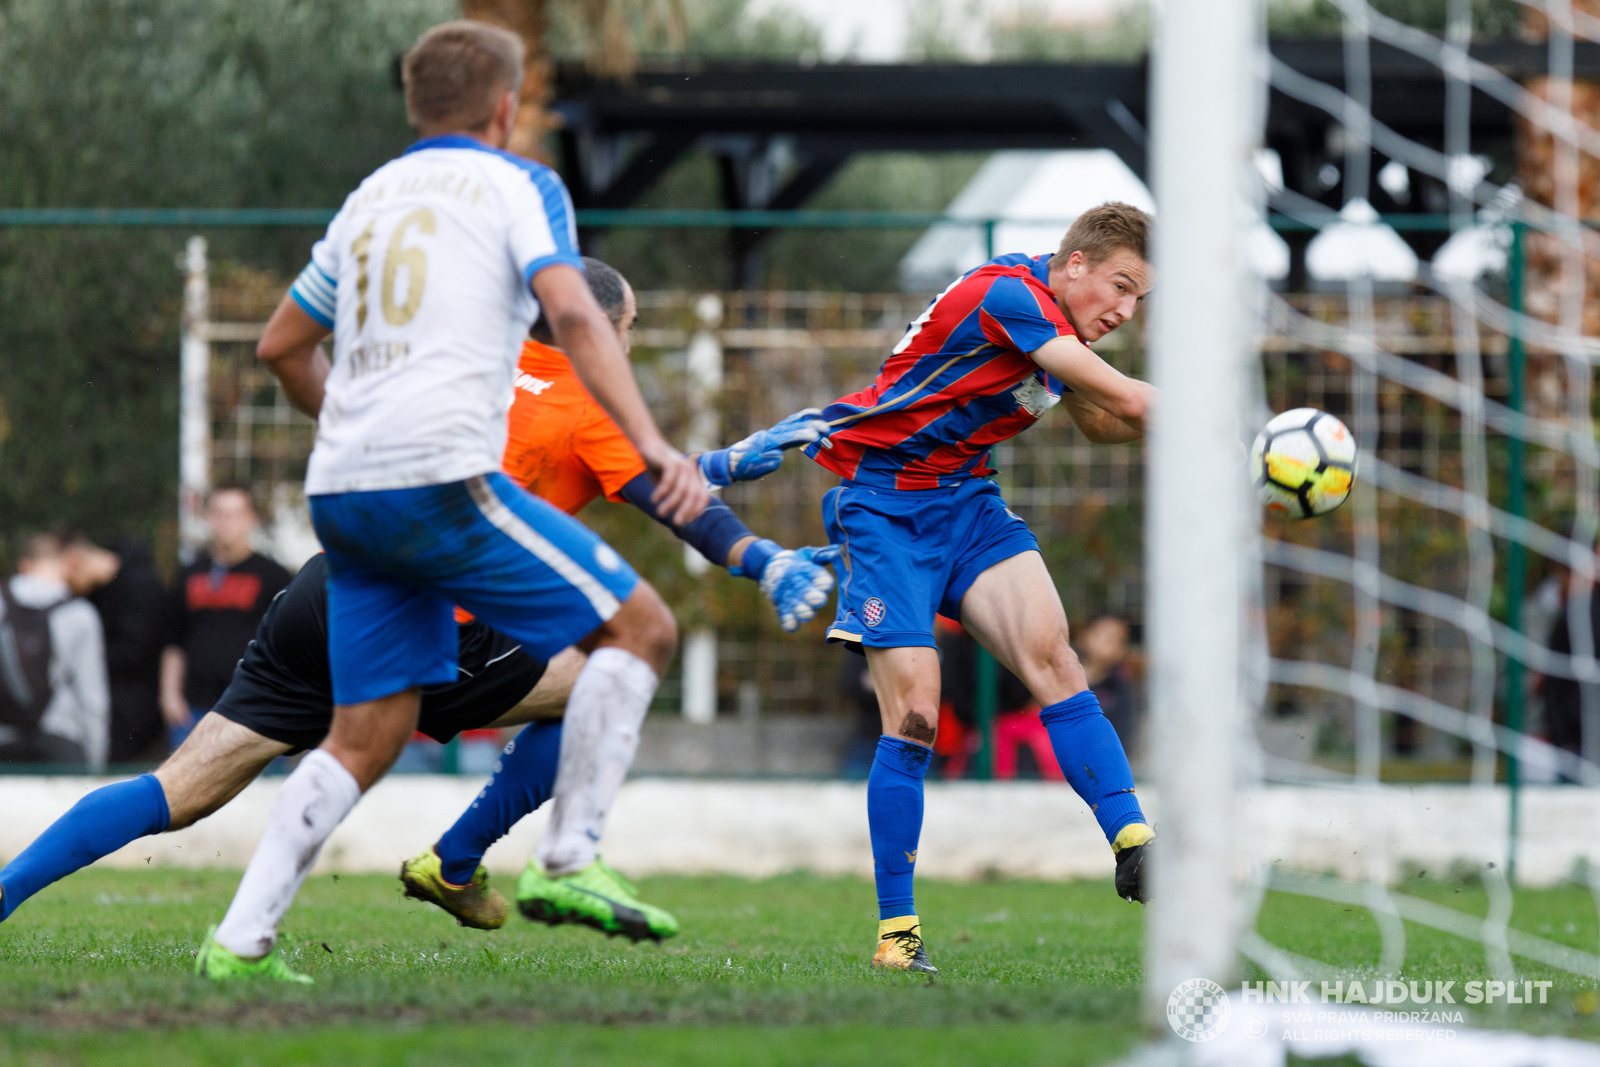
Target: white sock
[314,800]
[607,706]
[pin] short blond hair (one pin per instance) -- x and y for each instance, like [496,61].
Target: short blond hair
[1100,231]
[456,73]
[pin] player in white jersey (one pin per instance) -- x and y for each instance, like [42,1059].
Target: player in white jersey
[428,279]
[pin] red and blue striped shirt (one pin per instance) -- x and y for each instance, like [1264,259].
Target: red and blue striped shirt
[959,382]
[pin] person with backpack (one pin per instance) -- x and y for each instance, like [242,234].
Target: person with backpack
[55,700]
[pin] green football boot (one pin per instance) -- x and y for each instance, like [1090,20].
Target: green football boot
[596,896]
[220,965]
[473,904]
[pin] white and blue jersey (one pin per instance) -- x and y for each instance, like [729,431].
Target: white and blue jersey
[424,277]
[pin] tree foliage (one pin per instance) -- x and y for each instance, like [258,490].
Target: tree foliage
[151,103]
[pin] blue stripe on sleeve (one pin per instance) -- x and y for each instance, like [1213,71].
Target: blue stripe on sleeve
[557,208]
[317,294]
[572,260]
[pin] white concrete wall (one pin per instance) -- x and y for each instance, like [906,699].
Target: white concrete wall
[755,828]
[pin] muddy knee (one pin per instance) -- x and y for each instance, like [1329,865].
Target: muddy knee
[921,727]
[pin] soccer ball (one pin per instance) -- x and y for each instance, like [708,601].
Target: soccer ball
[1303,463]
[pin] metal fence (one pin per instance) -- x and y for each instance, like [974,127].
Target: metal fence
[782,351]
[779,351]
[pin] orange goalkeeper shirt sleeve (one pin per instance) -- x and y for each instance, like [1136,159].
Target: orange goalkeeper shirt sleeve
[560,444]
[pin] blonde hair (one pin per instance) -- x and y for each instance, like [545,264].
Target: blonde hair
[1100,231]
[456,73]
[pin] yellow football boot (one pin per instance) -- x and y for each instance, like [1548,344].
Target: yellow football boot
[900,946]
[473,904]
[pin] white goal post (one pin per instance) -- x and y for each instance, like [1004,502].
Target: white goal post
[1208,96]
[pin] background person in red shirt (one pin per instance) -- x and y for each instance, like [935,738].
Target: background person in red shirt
[217,605]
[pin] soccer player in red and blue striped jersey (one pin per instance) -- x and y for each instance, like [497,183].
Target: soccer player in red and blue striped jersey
[925,532]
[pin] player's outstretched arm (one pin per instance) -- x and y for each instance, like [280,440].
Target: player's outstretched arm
[762,452]
[1093,379]
[1099,426]
[290,346]
[590,342]
[797,580]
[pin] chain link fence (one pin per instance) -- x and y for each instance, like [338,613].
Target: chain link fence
[782,351]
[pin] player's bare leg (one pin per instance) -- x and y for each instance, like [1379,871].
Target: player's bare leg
[1014,611]
[567,881]
[907,683]
[216,761]
[367,738]
[548,699]
[364,742]
[212,766]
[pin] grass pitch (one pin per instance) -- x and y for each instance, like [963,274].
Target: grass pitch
[96,970]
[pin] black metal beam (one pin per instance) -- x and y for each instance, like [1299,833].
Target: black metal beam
[836,110]
[864,107]
[617,183]
[819,167]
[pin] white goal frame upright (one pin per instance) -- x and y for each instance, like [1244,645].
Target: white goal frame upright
[1208,98]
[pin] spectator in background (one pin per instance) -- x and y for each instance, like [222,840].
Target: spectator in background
[1103,649]
[1563,697]
[55,705]
[218,602]
[124,587]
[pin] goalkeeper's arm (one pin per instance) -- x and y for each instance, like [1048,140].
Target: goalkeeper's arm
[795,580]
[762,452]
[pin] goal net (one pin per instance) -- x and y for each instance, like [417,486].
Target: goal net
[1372,731]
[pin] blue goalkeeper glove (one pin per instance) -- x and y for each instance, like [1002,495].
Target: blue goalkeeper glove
[762,452]
[796,580]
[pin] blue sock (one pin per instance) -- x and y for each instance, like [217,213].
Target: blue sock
[524,776]
[1091,756]
[894,817]
[97,825]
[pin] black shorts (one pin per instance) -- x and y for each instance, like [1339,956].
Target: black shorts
[281,688]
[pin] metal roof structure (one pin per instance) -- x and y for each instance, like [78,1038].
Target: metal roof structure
[779,132]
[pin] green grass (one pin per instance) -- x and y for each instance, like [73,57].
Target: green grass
[96,970]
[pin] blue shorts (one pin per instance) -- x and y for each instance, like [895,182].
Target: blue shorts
[399,560]
[910,554]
